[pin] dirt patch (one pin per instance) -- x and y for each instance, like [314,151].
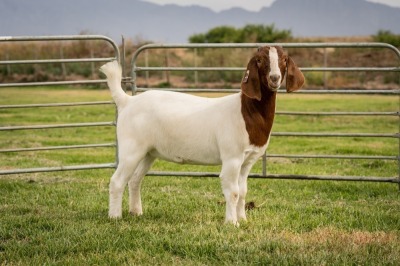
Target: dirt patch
[323,236]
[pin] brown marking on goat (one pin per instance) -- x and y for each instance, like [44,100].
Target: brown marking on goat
[258,100]
[259,117]
[294,77]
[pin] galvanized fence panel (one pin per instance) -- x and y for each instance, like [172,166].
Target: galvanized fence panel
[133,81]
[72,38]
[4,39]
[393,179]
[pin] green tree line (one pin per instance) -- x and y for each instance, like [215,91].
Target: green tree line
[257,33]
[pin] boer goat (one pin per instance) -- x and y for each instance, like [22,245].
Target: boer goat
[233,130]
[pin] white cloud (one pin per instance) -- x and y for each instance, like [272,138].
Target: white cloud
[394,3]
[251,5]
[219,5]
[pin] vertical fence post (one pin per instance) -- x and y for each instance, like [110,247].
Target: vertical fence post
[36,68]
[122,63]
[92,63]
[196,74]
[8,66]
[167,65]
[264,164]
[63,68]
[325,65]
[146,63]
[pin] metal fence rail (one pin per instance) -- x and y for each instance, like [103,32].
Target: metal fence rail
[57,105]
[49,148]
[277,176]
[58,169]
[53,104]
[395,179]
[207,90]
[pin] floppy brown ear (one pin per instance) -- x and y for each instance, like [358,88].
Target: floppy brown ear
[294,77]
[251,81]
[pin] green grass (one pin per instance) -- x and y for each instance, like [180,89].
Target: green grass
[61,218]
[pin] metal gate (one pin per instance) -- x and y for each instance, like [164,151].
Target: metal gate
[264,174]
[56,106]
[132,80]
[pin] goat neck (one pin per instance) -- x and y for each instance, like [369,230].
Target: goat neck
[259,116]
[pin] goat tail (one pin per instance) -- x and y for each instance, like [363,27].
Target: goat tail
[113,72]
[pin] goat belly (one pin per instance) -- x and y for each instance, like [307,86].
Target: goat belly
[186,144]
[183,158]
[189,141]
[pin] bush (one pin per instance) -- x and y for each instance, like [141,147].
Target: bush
[387,36]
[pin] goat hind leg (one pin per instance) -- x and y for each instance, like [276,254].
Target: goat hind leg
[118,183]
[135,202]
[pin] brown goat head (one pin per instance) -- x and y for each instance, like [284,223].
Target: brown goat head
[266,70]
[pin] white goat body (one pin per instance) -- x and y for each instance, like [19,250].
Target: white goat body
[183,128]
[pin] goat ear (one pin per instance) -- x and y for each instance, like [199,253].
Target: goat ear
[251,81]
[294,77]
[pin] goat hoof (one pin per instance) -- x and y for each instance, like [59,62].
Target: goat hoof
[243,219]
[115,215]
[135,213]
[234,223]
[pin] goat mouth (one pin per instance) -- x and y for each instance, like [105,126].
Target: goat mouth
[273,86]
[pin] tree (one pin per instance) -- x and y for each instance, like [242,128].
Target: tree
[249,33]
[263,34]
[221,34]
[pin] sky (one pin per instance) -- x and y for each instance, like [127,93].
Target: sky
[252,5]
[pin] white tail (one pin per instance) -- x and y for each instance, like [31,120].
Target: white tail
[114,76]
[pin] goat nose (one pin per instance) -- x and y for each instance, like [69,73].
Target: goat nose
[274,78]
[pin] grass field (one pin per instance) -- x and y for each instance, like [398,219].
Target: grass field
[61,218]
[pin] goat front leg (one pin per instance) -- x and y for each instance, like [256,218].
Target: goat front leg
[241,206]
[250,160]
[230,187]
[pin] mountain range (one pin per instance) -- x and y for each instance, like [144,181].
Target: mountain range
[142,20]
